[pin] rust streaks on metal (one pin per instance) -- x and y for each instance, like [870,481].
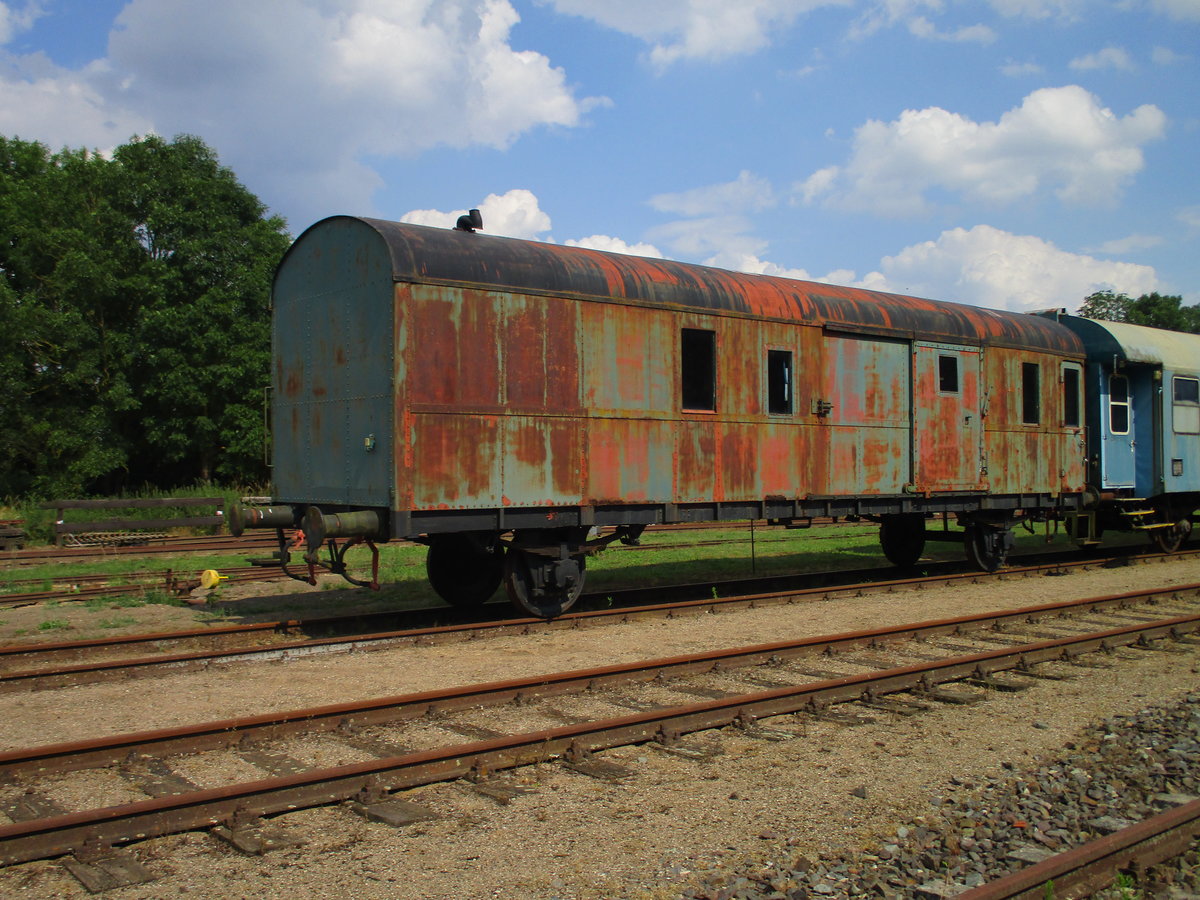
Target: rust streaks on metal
[575,272]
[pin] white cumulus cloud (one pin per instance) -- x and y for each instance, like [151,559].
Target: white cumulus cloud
[1038,9]
[746,193]
[304,98]
[1180,10]
[616,245]
[1108,58]
[516,213]
[1165,56]
[695,29]
[985,266]
[1058,138]
[717,226]
[1128,244]
[977,34]
[15,18]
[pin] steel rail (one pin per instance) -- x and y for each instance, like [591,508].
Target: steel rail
[372,780]
[184,544]
[1091,867]
[171,582]
[144,575]
[89,672]
[227,732]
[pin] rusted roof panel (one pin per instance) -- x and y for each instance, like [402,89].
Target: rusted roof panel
[443,255]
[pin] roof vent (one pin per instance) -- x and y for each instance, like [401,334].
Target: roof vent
[470,221]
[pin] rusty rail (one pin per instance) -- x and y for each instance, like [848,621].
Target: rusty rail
[168,581]
[83,673]
[1089,868]
[57,835]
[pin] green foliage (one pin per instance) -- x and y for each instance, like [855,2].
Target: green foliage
[1156,310]
[134,320]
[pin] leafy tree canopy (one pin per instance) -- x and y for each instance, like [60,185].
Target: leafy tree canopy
[1156,310]
[134,317]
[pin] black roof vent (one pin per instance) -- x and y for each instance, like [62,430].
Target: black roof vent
[470,221]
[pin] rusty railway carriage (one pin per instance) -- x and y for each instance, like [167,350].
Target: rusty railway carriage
[497,398]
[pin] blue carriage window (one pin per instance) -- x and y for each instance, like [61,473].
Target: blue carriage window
[1118,404]
[1185,405]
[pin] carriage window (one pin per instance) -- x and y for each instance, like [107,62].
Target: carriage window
[1118,404]
[1070,383]
[698,369]
[1031,393]
[948,374]
[1185,405]
[779,382]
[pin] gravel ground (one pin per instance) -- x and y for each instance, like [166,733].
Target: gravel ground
[1124,769]
[678,827]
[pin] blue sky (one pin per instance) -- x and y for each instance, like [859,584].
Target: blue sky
[1017,154]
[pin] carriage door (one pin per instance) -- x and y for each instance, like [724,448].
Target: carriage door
[947,425]
[1117,435]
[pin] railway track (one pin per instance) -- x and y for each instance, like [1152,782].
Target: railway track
[85,587]
[254,541]
[388,745]
[1092,867]
[183,544]
[31,666]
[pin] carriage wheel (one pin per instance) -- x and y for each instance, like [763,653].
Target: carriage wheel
[543,586]
[902,538]
[464,570]
[1168,540]
[987,548]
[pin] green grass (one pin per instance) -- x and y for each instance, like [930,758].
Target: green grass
[106,603]
[54,625]
[117,567]
[665,557]
[39,523]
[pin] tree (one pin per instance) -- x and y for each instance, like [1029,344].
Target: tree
[1156,310]
[134,324]
[1107,306]
[204,320]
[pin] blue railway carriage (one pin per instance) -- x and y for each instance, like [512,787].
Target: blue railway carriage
[1143,423]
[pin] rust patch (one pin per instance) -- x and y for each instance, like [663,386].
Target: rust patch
[698,477]
[455,461]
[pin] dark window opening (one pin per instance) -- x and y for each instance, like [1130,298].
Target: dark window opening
[948,374]
[1187,390]
[1071,417]
[1118,404]
[1031,393]
[698,369]
[779,382]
